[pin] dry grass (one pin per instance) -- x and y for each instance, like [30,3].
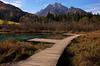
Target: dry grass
[9,22]
[85,50]
[82,51]
[12,50]
[57,37]
[42,45]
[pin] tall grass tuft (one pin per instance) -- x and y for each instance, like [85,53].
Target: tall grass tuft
[12,50]
[86,50]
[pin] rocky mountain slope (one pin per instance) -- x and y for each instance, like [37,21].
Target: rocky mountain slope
[58,8]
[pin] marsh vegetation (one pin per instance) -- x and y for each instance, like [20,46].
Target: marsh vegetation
[82,51]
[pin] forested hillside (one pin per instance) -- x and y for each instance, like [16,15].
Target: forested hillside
[12,13]
[78,17]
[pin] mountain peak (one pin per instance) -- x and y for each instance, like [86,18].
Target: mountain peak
[72,7]
[57,5]
[57,8]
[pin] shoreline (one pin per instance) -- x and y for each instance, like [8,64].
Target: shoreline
[37,31]
[43,31]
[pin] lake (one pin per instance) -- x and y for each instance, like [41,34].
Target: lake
[5,36]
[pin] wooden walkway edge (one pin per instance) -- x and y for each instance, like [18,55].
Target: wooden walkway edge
[48,56]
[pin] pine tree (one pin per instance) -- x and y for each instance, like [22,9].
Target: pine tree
[76,17]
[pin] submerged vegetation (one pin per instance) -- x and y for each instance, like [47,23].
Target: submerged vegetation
[82,51]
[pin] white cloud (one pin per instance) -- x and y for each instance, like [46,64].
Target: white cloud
[38,0]
[93,7]
[17,3]
[5,1]
[46,5]
[96,12]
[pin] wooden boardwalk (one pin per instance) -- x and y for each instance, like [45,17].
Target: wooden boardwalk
[48,56]
[44,40]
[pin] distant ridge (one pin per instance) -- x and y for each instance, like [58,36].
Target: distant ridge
[58,8]
[12,13]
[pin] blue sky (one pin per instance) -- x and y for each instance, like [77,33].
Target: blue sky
[32,6]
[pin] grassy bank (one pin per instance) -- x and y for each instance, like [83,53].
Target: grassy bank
[12,51]
[57,36]
[82,51]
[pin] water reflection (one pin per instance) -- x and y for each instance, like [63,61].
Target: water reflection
[22,36]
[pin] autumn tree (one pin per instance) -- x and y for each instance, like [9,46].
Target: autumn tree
[84,20]
[26,20]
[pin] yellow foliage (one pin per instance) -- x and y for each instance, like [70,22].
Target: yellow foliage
[9,22]
[84,20]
